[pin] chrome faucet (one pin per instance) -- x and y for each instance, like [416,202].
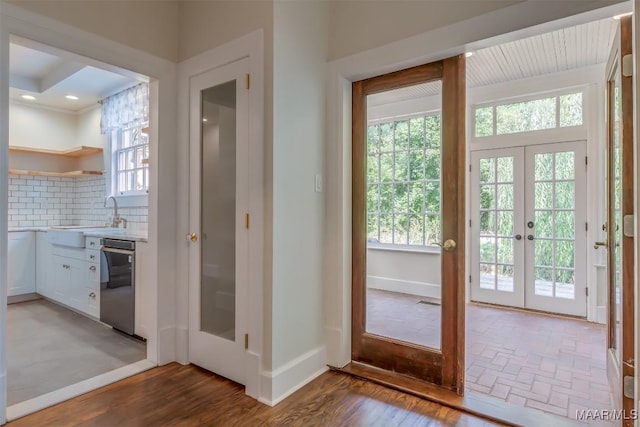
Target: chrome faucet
[116,218]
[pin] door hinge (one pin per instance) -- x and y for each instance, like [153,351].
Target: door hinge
[627,65]
[586,226]
[469,168]
[246,221]
[248,82]
[586,160]
[469,223]
[246,341]
[586,291]
[469,278]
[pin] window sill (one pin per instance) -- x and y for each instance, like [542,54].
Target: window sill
[133,200]
[403,248]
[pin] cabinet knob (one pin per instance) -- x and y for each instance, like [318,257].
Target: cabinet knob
[92,256]
[92,243]
[92,295]
[92,268]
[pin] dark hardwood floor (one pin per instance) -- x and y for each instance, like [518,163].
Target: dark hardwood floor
[176,395]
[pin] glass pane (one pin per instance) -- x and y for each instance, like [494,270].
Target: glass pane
[505,223]
[565,195]
[544,252]
[487,223]
[543,195]
[571,110]
[565,165]
[416,133]
[614,202]
[565,253]
[505,196]
[505,169]
[487,249]
[373,138]
[218,211]
[544,282]
[543,224]
[484,121]
[409,203]
[372,198]
[372,228]
[401,135]
[373,168]
[565,224]
[505,251]
[565,284]
[487,196]
[526,116]
[487,170]
[487,276]
[505,278]
[543,164]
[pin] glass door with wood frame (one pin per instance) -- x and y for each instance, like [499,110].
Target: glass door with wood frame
[408,222]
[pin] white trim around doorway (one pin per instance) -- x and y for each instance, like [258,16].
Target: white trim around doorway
[507,24]
[115,56]
[251,47]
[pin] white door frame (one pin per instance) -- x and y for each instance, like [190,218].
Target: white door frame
[17,21]
[249,46]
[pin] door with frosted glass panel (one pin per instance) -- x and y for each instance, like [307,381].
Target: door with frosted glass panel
[218,237]
[529,227]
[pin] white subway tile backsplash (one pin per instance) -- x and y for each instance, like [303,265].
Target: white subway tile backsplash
[51,201]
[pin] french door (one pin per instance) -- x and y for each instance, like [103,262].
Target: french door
[619,225]
[218,203]
[529,227]
[408,201]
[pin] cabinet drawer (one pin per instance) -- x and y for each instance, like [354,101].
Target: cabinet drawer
[92,302]
[92,242]
[92,255]
[93,274]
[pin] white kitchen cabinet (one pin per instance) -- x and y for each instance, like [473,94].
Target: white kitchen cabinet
[43,262]
[21,268]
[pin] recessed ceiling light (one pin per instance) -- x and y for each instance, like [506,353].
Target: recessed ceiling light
[468,54]
[204,120]
[622,15]
[28,97]
[72,97]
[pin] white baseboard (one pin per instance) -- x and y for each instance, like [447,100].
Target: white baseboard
[3,398]
[166,345]
[279,384]
[252,386]
[338,349]
[53,398]
[601,314]
[182,345]
[422,289]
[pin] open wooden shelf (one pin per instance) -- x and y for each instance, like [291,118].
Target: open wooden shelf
[80,151]
[70,174]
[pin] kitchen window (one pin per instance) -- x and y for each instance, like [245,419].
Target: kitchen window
[130,168]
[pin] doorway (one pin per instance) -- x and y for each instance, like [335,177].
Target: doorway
[529,227]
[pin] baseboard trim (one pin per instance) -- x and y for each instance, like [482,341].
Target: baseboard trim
[338,349]
[53,398]
[279,384]
[422,289]
[23,298]
[182,346]
[166,345]
[601,314]
[3,397]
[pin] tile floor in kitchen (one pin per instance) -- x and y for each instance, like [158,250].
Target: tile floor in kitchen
[50,347]
[550,363]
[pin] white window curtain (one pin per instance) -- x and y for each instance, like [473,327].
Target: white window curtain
[125,109]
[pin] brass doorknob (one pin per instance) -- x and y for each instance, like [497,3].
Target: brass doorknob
[448,245]
[193,237]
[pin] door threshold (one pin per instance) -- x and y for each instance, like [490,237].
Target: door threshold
[529,310]
[475,404]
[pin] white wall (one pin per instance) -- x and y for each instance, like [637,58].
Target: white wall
[32,126]
[296,315]
[408,272]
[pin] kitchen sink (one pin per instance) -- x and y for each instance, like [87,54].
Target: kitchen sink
[74,236]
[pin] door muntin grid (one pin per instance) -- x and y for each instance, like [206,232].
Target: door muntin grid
[496,229]
[554,225]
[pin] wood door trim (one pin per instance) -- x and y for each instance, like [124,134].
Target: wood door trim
[444,367]
[628,185]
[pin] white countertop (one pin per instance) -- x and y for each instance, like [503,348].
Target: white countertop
[121,233]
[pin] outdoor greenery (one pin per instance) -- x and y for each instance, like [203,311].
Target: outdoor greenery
[403,181]
[537,114]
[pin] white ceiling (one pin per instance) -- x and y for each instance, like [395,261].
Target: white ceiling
[570,48]
[49,77]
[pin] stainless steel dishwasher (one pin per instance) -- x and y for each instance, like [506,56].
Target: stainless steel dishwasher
[117,284]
